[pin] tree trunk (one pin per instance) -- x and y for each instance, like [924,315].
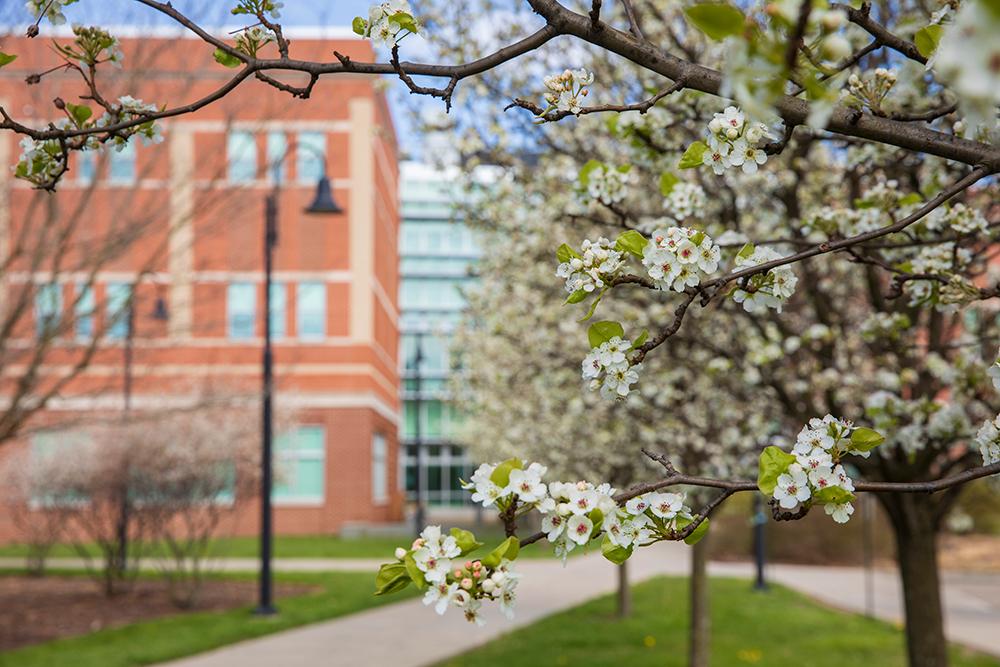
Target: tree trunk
[624,592]
[700,617]
[916,543]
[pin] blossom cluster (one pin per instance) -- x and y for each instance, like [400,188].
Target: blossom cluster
[433,562]
[764,290]
[564,91]
[685,200]
[734,141]
[609,369]
[959,218]
[677,257]
[604,183]
[812,474]
[870,89]
[988,439]
[599,262]
[388,22]
[53,9]
[966,60]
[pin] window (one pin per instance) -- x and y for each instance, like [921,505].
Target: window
[119,296]
[84,311]
[300,459]
[380,469]
[86,166]
[312,310]
[240,310]
[121,164]
[277,146]
[48,309]
[278,291]
[241,149]
[310,157]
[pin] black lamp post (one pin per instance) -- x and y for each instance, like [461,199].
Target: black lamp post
[323,202]
[418,486]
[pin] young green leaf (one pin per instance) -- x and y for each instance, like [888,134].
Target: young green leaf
[404,21]
[832,494]
[359,25]
[226,59]
[641,340]
[698,533]
[593,304]
[79,112]
[632,242]
[7,58]
[745,251]
[693,155]
[603,331]
[501,475]
[508,549]
[416,575]
[590,166]
[927,39]
[613,552]
[466,540]
[391,577]
[718,20]
[667,182]
[578,296]
[565,253]
[865,439]
[773,462]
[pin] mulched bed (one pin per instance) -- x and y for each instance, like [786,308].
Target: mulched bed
[40,609]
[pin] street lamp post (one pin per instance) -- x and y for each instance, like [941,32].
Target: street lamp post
[323,202]
[419,485]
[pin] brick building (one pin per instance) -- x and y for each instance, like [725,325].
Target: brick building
[196,268]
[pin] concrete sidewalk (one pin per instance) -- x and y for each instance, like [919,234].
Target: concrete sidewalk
[420,638]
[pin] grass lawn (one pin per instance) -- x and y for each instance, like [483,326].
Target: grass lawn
[779,628]
[309,546]
[173,637]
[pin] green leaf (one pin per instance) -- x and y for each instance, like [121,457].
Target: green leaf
[832,494]
[466,540]
[596,517]
[416,575]
[603,331]
[79,112]
[226,59]
[6,58]
[578,296]
[391,577]
[698,533]
[698,237]
[667,182]
[927,39]
[404,21]
[584,176]
[501,475]
[773,462]
[643,337]
[693,155]
[912,198]
[508,549]
[745,251]
[716,19]
[613,552]
[865,439]
[624,168]
[632,242]
[565,253]
[359,25]
[593,304]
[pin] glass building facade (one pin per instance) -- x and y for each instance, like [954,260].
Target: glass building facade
[436,254]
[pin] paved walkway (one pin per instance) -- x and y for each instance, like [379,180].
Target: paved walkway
[972,608]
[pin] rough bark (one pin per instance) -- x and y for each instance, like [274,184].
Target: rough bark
[624,592]
[916,543]
[698,642]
